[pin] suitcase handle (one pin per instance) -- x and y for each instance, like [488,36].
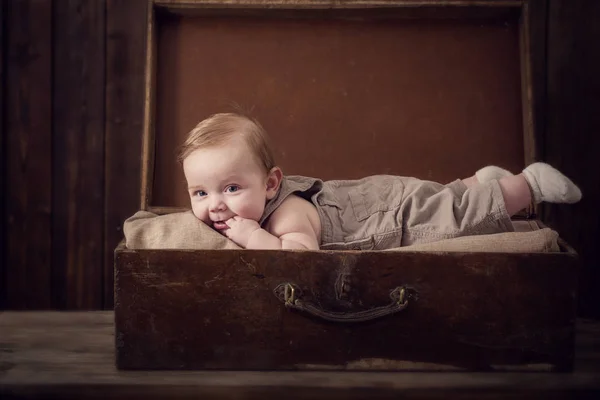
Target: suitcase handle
[291,295]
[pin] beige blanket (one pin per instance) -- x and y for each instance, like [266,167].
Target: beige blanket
[146,230]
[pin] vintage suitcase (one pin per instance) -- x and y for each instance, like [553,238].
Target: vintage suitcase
[346,89]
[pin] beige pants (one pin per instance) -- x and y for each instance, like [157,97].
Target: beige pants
[382,212]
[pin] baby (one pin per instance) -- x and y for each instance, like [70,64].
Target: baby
[236,188]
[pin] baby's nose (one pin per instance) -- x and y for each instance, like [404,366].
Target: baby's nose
[217,204]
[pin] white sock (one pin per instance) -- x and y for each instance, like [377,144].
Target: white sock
[550,185]
[490,173]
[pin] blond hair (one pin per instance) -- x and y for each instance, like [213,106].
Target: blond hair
[220,128]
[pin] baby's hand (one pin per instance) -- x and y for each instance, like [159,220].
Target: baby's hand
[240,230]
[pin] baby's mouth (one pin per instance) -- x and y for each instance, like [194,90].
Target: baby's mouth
[220,225]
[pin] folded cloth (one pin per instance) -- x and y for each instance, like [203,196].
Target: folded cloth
[542,240]
[182,230]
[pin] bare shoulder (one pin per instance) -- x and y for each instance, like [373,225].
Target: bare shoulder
[295,215]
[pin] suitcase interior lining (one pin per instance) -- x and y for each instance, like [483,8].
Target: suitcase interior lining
[344,98]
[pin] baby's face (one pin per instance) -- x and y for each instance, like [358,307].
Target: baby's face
[225,181]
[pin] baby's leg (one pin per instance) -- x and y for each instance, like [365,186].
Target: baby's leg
[516,193]
[486,174]
[542,182]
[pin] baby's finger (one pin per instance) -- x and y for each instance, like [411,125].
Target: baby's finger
[229,222]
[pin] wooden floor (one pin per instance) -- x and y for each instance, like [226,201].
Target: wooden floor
[71,355]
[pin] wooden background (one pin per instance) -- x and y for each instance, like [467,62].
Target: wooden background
[71,114]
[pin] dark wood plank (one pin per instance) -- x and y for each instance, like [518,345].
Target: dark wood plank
[29,151]
[125,85]
[78,154]
[572,126]
[2,162]
[299,4]
[343,10]
[38,362]
[482,312]
[537,24]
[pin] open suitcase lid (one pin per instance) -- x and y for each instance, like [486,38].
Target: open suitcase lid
[345,89]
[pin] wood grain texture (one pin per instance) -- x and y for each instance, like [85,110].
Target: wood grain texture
[217,310]
[533,75]
[529,142]
[537,32]
[572,125]
[125,73]
[148,141]
[78,154]
[28,150]
[344,10]
[333,3]
[37,362]
[2,160]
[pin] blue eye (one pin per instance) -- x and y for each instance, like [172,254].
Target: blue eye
[232,188]
[200,193]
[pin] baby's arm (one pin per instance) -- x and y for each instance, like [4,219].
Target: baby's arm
[289,227]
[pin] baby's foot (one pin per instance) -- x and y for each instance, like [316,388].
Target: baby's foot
[490,173]
[550,185]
